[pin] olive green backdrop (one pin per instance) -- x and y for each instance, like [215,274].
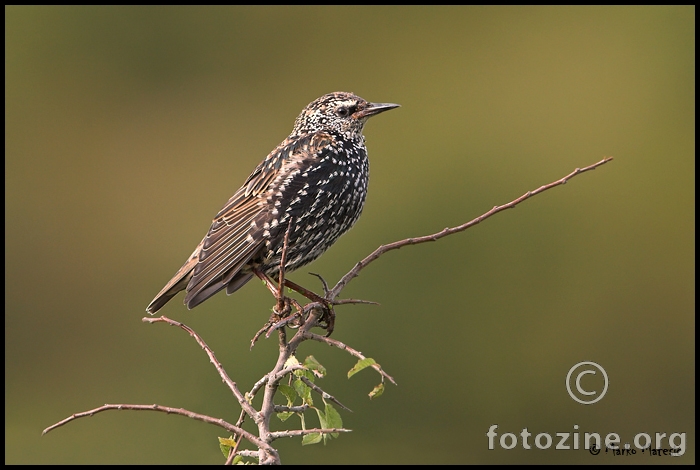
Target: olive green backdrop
[126,129]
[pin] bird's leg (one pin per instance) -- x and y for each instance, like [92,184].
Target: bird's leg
[283,308]
[328,312]
[276,317]
[269,283]
[277,292]
[280,313]
[312,296]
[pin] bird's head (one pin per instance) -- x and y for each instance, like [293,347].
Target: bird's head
[341,112]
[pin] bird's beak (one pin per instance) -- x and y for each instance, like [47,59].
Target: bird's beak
[375,108]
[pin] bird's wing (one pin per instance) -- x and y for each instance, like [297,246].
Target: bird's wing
[236,233]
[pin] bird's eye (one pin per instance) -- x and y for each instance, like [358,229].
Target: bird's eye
[342,111]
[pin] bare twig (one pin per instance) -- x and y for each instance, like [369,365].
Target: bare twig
[344,347]
[355,271]
[257,386]
[354,301]
[165,409]
[323,393]
[233,452]
[291,409]
[326,289]
[212,358]
[283,261]
[303,432]
[249,453]
[280,375]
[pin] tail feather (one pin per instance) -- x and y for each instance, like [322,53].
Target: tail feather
[177,283]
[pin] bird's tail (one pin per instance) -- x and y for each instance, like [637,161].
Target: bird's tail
[177,283]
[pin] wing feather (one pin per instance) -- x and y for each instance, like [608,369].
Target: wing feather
[236,236]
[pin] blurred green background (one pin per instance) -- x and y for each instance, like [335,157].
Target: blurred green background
[126,129]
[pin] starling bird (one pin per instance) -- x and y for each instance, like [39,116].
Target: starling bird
[313,186]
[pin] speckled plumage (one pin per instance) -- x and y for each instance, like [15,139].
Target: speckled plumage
[317,178]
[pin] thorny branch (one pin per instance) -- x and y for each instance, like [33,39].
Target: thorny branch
[247,407]
[318,312]
[165,409]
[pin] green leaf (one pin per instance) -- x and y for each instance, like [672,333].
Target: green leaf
[333,419]
[314,366]
[226,444]
[364,363]
[324,424]
[305,373]
[377,391]
[304,391]
[284,415]
[309,375]
[321,418]
[313,438]
[288,392]
[292,361]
